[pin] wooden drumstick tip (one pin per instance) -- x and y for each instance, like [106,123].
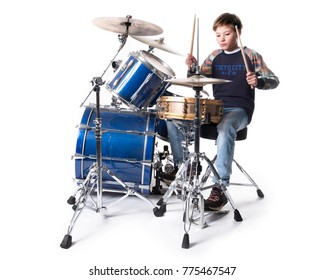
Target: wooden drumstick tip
[193,33]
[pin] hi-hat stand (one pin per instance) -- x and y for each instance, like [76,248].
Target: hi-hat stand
[93,180]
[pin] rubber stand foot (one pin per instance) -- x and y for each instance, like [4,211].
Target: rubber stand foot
[71,200]
[66,242]
[186,241]
[158,212]
[260,193]
[237,216]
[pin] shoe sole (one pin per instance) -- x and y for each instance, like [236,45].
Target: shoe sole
[216,208]
[207,208]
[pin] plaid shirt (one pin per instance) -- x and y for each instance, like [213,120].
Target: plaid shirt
[266,78]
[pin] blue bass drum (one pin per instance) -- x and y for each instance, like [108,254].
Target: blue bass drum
[140,80]
[128,141]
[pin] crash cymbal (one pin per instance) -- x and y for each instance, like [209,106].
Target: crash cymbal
[197,80]
[119,25]
[157,43]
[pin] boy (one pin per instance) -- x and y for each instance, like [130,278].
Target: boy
[238,96]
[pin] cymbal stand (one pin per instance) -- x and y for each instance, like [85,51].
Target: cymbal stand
[94,177]
[194,200]
[188,179]
[93,180]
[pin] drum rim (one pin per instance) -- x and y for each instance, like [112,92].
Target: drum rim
[190,99]
[141,56]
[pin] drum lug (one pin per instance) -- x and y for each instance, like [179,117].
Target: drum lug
[204,111]
[185,109]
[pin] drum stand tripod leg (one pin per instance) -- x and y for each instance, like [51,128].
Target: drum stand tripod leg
[187,220]
[179,178]
[181,173]
[83,194]
[194,201]
[129,191]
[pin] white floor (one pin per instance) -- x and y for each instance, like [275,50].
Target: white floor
[275,232]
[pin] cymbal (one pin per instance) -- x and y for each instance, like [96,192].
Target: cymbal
[157,43]
[119,24]
[197,80]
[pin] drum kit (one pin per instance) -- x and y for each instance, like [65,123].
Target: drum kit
[116,142]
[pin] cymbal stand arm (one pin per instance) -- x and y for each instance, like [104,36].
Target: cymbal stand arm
[122,39]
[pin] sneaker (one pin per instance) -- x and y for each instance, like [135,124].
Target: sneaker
[216,200]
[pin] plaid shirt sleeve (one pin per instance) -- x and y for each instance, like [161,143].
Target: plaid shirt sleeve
[266,78]
[206,67]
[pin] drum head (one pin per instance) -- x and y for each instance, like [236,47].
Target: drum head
[157,64]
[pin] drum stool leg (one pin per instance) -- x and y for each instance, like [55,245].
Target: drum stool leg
[258,190]
[211,168]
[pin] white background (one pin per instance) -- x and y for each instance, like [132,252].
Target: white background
[50,50]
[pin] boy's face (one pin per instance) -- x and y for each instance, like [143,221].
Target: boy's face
[226,37]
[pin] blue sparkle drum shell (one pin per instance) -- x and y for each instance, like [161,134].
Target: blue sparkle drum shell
[140,79]
[128,140]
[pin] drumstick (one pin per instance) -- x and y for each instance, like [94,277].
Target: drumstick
[193,32]
[242,51]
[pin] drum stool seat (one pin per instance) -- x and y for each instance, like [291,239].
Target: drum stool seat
[209,131]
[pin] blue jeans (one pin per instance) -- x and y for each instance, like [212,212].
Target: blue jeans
[175,139]
[233,120]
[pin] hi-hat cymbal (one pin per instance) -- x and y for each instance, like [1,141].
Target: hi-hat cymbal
[157,43]
[119,25]
[197,80]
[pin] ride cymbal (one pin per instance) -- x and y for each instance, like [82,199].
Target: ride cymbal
[135,27]
[157,43]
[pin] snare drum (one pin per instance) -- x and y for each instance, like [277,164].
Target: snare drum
[127,147]
[140,80]
[183,108]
